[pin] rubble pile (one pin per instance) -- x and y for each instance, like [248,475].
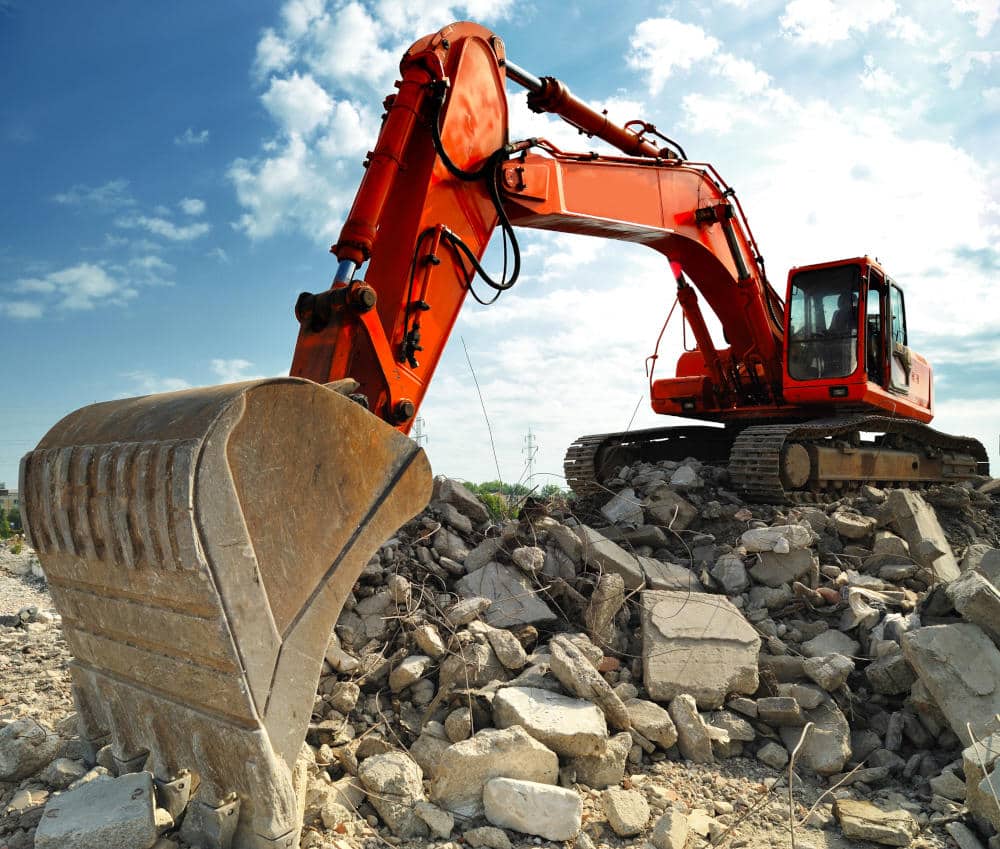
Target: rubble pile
[640,667]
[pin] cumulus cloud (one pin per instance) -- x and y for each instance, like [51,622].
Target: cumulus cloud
[191,138]
[661,46]
[876,79]
[824,22]
[234,370]
[21,309]
[79,287]
[163,227]
[983,12]
[192,206]
[298,103]
[113,194]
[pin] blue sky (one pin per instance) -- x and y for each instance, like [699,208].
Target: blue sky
[173,175]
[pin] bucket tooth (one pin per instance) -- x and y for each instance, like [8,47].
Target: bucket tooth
[199,546]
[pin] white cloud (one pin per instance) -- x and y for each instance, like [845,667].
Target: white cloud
[961,62]
[21,309]
[192,206]
[220,255]
[111,195]
[191,138]
[298,103]
[167,229]
[148,383]
[877,80]
[985,12]
[824,22]
[660,46]
[273,53]
[79,287]
[234,370]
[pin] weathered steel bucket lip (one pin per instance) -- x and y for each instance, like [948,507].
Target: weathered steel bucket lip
[201,544]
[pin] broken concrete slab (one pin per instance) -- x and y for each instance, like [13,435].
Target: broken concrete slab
[698,644]
[627,811]
[666,508]
[978,602]
[569,727]
[515,600]
[394,784]
[25,747]
[465,767]
[831,642]
[652,722]
[115,813]
[623,508]
[916,521]
[982,783]
[693,738]
[553,813]
[453,492]
[827,744]
[773,569]
[606,769]
[605,602]
[779,538]
[960,666]
[608,556]
[580,677]
[669,576]
[865,821]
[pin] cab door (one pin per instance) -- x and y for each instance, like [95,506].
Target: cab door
[876,310]
[899,352]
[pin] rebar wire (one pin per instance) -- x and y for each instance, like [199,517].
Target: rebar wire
[482,403]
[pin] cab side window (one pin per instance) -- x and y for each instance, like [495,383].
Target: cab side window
[898,311]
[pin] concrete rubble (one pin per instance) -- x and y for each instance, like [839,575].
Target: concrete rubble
[630,668]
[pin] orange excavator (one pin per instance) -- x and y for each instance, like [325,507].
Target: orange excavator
[200,544]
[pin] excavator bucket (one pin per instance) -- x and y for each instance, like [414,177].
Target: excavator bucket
[199,546]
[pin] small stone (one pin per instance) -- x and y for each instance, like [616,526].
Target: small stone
[606,769]
[627,811]
[765,539]
[62,772]
[693,738]
[528,558]
[773,755]
[465,611]
[891,675]
[438,821]
[963,836]
[853,526]
[865,821]
[458,724]
[830,642]
[394,783]
[429,641]
[670,831]
[399,589]
[508,650]
[344,696]
[553,813]
[780,711]
[949,785]
[487,836]
[409,671]
[731,574]
[827,744]
[652,722]
[830,671]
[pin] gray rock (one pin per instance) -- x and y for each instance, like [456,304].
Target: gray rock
[916,521]
[865,821]
[609,557]
[773,755]
[830,642]
[827,745]
[458,724]
[62,772]
[775,569]
[394,784]
[830,671]
[25,747]
[605,602]
[780,711]
[960,667]
[891,675]
[439,822]
[452,492]
[428,748]
[515,601]
[429,641]
[738,729]
[606,769]
[666,508]
[579,676]
[669,576]
[528,558]
[487,836]
[982,782]
[670,831]
[465,767]
[698,644]
[949,785]
[978,602]
[467,610]
[779,538]
[449,544]
[115,813]
[652,722]
[887,542]
[623,508]
[567,726]
[627,811]
[963,836]
[731,574]
[483,553]
[852,526]
[553,813]
[507,648]
[409,671]
[693,738]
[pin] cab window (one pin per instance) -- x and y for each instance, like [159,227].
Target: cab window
[823,319]
[898,311]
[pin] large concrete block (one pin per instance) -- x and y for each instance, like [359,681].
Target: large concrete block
[916,521]
[698,644]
